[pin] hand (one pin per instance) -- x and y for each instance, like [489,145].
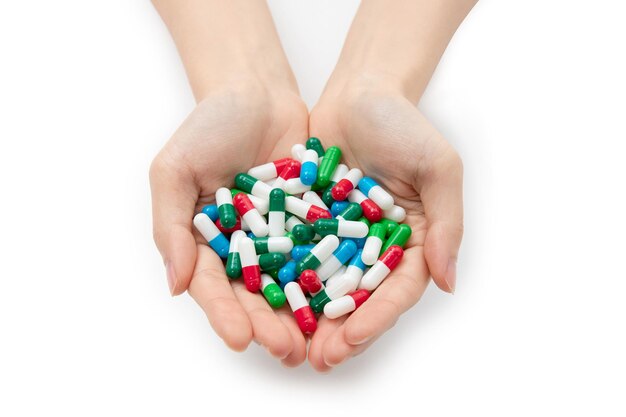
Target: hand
[229,131]
[385,135]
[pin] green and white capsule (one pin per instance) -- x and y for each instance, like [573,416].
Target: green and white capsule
[272,292]
[233,262]
[277,213]
[352,212]
[316,145]
[225,207]
[320,252]
[273,244]
[327,295]
[341,228]
[251,185]
[272,261]
[373,244]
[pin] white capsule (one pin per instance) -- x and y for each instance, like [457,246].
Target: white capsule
[296,206]
[339,173]
[256,222]
[276,223]
[260,204]
[334,278]
[223,196]
[339,307]
[264,172]
[295,296]
[247,253]
[350,228]
[371,250]
[297,151]
[382,198]
[374,276]
[206,227]
[395,213]
[325,248]
[313,198]
[354,176]
[234,241]
[295,186]
[279,244]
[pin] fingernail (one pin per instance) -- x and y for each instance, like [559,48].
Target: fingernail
[451,275]
[171,277]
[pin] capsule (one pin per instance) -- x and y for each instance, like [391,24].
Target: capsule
[389,225]
[348,183]
[277,213]
[339,206]
[288,272]
[271,261]
[291,170]
[383,267]
[371,211]
[328,166]
[295,186]
[304,232]
[373,244]
[353,211]
[272,292]
[291,221]
[301,309]
[399,237]
[353,274]
[251,215]
[313,198]
[261,204]
[336,277]
[339,173]
[233,262]
[341,228]
[212,234]
[249,264]
[236,227]
[211,211]
[376,193]
[305,210]
[273,244]
[251,185]
[311,282]
[308,170]
[318,254]
[340,256]
[346,304]
[300,251]
[316,145]
[327,295]
[270,170]
[297,151]
[395,213]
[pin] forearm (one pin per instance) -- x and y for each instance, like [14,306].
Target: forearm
[398,43]
[226,43]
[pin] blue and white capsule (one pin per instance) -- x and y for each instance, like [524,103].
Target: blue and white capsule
[340,256]
[212,234]
[308,170]
[211,211]
[376,193]
[354,273]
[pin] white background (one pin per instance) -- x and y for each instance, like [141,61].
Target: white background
[532,95]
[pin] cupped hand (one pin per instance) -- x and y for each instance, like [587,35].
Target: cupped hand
[390,140]
[228,132]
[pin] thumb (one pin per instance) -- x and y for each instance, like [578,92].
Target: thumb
[174,198]
[441,191]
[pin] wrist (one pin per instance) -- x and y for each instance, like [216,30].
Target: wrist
[349,85]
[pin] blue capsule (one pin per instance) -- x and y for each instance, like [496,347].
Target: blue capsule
[357,261]
[345,251]
[300,251]
[220,245]
[287,273]
[360,241]
[211,211]
[338,207]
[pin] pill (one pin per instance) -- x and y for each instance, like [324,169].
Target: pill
[291,170]
[318,254]
[327,295]
[353,274]
[341,228]
[340,256]
[251,185]
[308,170]
[271,261]
[295,186]
[261,204]
[339,173]
[305,210]
[273,244]
[288,272]
[382,268]
[311,282]
[371,211]
[249,264]
[236,227]
[346,304]
[352,211]
[272,292]
[338,206]
[395,213]
[376,193]
[399,237]
[348,183]
[313,198]
[328,166]
[389,225]
[301,310]
[316,145]
[300,251]
[303,232]
[233,262]
[270,170]
[336,277]
[276,217]
[212,234]
[373,244]
[297,151]
[251,215]
[211,211]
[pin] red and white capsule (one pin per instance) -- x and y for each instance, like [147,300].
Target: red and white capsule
[311,282]
[251,215]
[383,267]
[295,186]
[313,198]
[301,310]
[346,304]
[270,170]
[250,268]
[291,170]
[348,183]
[371,211]
[305,210]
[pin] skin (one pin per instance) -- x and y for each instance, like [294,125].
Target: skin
[249,112]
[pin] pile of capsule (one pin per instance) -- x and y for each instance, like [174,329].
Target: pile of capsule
[315,229]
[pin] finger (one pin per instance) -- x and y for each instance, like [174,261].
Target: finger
[441,190]
[336,349]
[173,201]
[325,328]
[267,328]
[298,354]
[398,292]
[212,291]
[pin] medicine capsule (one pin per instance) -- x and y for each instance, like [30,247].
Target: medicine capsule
[336,277]
[291,170]
[346,304]
[249,264]
[327,295]
[389,225]
[311,282]
[300,251]
[251,185]
[308,170]
[295,186]
[399,237]
[371,211]
[261,204]
[304,232]
[228,216]
[212,234]
[341,228]
[297,151]
[291,221]
[338,206]
[395,213]
[318,254]
[273,244]
[376,193]
[340,256]
[313,198]
[211,211]
[270,170]
[271,261]
[353,273]
[301,309]
[328,166]
[236,227]
[272,292]
[288,272]
[277,213]
[305,210]
[233,262]
[339,173]
[251,215]
[353,211]
[316,145]
[374,243]
[383,267]
[348,183]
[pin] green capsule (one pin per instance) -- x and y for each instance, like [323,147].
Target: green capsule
[399,237]
[378,230]
[272,273]
[316,145]
[327,195]
[272,261]
[272,292]
[328,166]
[318,302]
[233,265]
[390,225]
[277,200]
[303,232]
[352,212]
[366,221]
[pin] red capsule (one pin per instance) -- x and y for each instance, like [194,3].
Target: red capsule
[280,164]
[243,204]
[306,319]
[310,282]
[371,211]
[291,170]
[252,277]
[316,212]
[341,190]
[237,226]
[392,257]
[359,297]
